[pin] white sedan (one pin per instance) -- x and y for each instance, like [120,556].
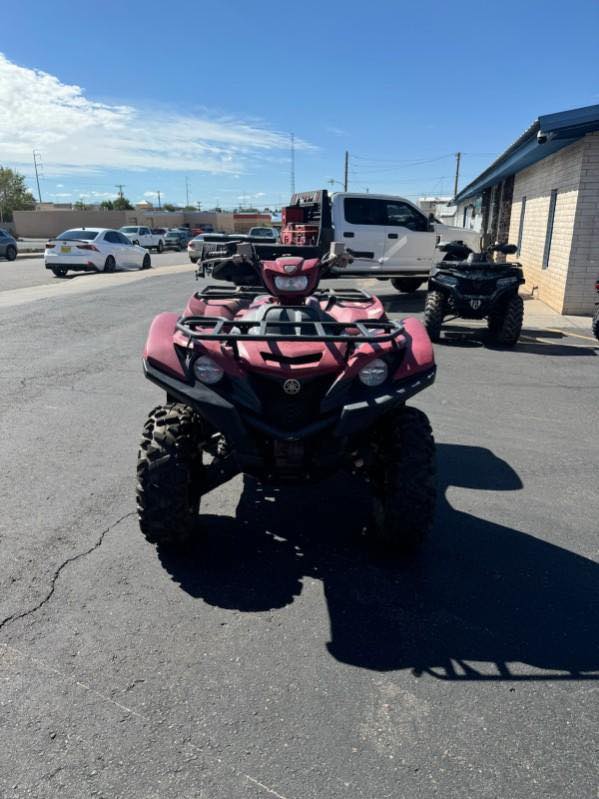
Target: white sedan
[93,250]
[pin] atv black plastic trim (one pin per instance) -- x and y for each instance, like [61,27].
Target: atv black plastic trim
[358,415]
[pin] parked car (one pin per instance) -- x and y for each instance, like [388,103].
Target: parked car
[186,233]
[175,240]
[93,250]
[8,246]
[268,234]
[389,237]
[196,248]
[144,237]
[160,231]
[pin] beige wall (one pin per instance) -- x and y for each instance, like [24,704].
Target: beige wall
[561,171]
[584,256]
[44,224]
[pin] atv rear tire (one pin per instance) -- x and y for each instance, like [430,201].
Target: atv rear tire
[434,311]
[169,474]
[405,488]
[595,323]
[406,284]
[505,326]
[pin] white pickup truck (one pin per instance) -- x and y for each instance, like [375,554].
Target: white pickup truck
[389,237]
[138,234]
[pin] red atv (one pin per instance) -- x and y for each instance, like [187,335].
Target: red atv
[287,385]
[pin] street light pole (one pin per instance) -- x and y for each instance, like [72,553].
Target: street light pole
[36,155]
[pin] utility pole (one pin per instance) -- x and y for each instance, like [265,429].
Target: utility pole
[120,187]
[346,171]
[458,158]
[186,191]
[36,155]
[292,164]
[158,193]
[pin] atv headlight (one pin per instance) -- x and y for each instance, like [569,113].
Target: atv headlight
[297,283]
[448,280]
[374,373]
[505,281]
[207,370]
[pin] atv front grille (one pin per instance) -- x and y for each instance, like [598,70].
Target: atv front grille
[290,412]
[478,287]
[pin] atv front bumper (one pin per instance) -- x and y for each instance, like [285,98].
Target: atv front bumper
[246,430]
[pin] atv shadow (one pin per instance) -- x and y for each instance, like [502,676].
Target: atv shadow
[396,302]
[481,602]
[460,336]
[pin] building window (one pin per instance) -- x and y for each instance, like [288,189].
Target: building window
[549,234]
[521,226]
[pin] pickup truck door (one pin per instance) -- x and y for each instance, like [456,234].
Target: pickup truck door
[359,224]
[409,243]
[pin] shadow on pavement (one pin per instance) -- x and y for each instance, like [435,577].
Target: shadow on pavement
[481,596]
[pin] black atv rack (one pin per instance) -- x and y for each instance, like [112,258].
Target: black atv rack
[250,292]
[217,328]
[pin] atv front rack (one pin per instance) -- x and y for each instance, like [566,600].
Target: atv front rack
[217,328]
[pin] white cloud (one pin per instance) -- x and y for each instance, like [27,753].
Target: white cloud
[78,135]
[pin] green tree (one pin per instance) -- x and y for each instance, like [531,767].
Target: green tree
[14,194]
[80,205]
[169,207]
[108,205]
[122,204]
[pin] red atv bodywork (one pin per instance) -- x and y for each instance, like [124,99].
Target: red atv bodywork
[270,433]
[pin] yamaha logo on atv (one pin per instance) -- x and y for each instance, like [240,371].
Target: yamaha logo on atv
[475,304]
[292,386]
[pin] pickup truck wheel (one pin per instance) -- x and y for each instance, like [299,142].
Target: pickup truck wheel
[160,246]
[406,284]
[11,253]
[434,311]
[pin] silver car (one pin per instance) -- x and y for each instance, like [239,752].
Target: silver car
[8,246]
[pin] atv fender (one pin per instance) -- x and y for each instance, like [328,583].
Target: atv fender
[160,350]
[419,356]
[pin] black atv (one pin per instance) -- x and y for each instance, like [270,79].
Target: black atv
[595,322]
[470,285]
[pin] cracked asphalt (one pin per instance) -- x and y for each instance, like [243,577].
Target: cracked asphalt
[280,656]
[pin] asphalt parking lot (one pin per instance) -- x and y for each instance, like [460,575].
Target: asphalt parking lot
[281,656]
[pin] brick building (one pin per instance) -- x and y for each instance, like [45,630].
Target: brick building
[542,194]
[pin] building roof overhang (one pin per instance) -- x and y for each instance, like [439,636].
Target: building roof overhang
[546,136]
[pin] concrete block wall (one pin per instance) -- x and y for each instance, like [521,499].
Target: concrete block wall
[584,256]
[561,171]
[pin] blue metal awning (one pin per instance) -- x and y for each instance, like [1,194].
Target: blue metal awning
[560,131]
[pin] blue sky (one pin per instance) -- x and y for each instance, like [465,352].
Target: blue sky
[136,95]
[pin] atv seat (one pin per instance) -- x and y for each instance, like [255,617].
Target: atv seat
[304,315]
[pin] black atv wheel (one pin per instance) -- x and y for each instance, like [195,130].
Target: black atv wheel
[595,323]
[505,325]
[406,284]
[169,474]
[434,311]
[147,261]
[11,253]
[405,489]
[59,271]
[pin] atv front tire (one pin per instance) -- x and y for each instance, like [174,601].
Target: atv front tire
[169,474]
[434,311]
[595,323]
[404,487]
[505,326]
